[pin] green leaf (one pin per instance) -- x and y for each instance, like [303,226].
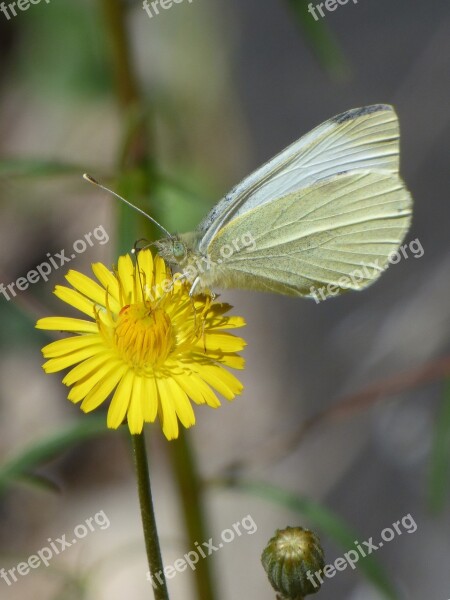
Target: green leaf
[31,167]
[320,517]
[322,41]
[21,466]
[38,480]
[440,453]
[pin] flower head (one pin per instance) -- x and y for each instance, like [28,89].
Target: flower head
[291,559]
[147,342]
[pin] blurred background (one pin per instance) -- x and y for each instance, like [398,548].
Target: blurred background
[344,423]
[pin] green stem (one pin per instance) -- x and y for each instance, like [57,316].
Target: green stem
[148,518]
[136,165]
[190,493]
[137,140]
[126,82]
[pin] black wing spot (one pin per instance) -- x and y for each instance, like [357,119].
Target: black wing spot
[359,112]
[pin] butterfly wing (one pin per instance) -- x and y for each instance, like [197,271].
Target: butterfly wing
[360,139]
[334,235]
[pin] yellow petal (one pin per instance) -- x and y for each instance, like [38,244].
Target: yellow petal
[108,281]
[67,324]
[167,413]
[139,279]
[231,360]
[84,387]
[161,272]
[57,364]
[225,342]
[103,388]
[219,308]
[144,262]
[125,271]
[150,399]
[75,299]
[67,345]
[197,389]
[219,323]
[87,286]
[135,412]
[121,401]
[181,402]
[220,379]
[86,368]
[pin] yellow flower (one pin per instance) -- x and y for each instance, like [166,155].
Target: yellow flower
[148,342]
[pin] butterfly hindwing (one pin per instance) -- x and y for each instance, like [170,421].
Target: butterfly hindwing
[321,235]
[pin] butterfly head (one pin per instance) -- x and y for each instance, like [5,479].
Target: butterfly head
[174,251]
[179,250]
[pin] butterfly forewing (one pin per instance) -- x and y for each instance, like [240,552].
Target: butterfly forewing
[360,139]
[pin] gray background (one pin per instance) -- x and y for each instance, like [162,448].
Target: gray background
[243,84]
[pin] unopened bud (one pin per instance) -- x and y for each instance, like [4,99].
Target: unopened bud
[291,559]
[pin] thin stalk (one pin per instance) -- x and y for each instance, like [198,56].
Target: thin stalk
[137,176]
[190,493]
[148,517]
[137,143]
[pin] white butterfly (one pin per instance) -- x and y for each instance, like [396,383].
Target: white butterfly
[328,206]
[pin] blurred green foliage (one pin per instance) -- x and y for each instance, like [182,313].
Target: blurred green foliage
[439,480]
[321,40]
[22,466]
[78,67]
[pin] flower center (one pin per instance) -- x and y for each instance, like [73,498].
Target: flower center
[143,335]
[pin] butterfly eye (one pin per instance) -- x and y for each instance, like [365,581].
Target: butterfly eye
[179,250]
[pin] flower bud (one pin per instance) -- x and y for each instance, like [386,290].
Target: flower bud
[289,557]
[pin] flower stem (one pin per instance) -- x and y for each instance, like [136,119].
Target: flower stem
[148,517]
[137,146]
[137,174]
[189,485]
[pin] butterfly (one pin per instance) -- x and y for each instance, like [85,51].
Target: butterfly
[324,214]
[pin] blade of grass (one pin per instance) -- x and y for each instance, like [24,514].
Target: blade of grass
[30,167]
[184,464]
[37,480]
[36,454]
[440,455]
[321,40]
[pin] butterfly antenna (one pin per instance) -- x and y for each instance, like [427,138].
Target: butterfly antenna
[136,249]
[127,202]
